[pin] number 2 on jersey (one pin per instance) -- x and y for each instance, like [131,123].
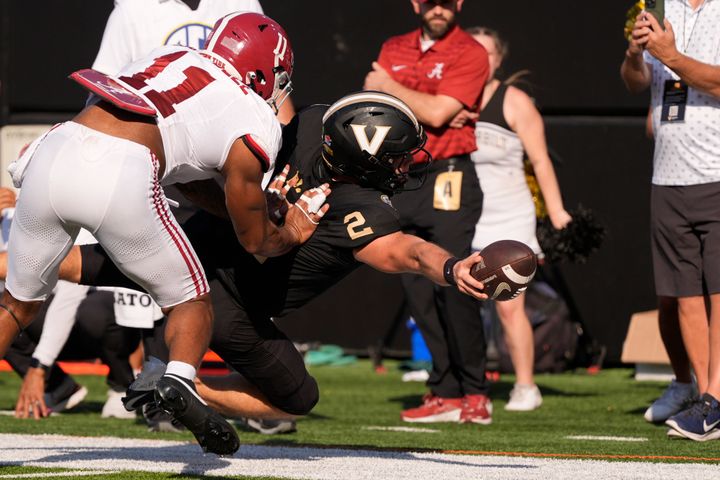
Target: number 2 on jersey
[354,221]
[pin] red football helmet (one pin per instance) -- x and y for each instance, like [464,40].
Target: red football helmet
[257,48]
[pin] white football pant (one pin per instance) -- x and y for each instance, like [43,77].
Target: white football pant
[81,178]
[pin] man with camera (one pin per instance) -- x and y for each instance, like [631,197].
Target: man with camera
[678,57]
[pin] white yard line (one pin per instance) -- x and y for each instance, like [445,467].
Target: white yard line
[402,429]
[606,439]
[105,453]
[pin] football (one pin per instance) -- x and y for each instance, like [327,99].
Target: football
[506,269]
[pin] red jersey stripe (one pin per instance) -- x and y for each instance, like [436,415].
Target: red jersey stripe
[191,261]
[257,151]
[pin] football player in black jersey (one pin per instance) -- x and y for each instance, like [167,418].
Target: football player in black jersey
[362,145]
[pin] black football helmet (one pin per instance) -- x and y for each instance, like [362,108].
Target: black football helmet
[372,137]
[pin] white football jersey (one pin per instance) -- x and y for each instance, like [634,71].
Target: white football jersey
[201,112]
[135,27]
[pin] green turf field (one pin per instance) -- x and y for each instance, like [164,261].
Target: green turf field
[355,400]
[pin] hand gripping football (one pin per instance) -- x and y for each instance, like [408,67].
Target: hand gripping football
[506,269]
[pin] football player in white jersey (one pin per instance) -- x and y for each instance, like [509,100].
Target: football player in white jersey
[177,115]
[135,27]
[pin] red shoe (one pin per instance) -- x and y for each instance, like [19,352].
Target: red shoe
[434,409]
[476,409]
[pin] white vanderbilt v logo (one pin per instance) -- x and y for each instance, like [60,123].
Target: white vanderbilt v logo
[365,144]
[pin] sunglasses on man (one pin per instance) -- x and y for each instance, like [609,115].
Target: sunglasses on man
[442,3]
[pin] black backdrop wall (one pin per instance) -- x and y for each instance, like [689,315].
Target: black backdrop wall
[573,49]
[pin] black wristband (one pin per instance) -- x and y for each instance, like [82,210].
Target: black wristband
[35,363]
[448,270]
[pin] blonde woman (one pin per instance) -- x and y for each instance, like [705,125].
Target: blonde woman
[509,128]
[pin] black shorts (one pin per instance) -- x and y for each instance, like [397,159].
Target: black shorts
[685,238]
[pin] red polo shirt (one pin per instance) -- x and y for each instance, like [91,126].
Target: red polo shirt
[456,66]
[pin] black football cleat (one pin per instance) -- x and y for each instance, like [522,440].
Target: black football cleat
[211,430]
[158,420]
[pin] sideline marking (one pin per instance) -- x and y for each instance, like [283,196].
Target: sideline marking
[606,439]
[324,463]
[402,429]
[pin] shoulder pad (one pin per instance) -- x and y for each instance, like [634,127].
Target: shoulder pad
[113,91]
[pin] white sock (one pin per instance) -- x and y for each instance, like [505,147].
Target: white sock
[181,369]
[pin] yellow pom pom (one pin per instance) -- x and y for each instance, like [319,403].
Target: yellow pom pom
[630,17]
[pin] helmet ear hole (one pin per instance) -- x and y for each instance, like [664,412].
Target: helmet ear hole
[260,77]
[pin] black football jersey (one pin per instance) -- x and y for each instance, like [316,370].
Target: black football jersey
[275,286]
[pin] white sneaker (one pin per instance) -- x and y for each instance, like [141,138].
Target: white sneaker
[416,376]
[674,399]
[77,395]
[524,398]
[114,408]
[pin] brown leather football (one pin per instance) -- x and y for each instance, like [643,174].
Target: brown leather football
[506,269]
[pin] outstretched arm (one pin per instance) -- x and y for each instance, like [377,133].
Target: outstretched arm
[402,253]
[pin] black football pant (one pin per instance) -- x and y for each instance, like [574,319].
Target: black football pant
[95,334]
[249,342]
[448,320]
[254,347]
